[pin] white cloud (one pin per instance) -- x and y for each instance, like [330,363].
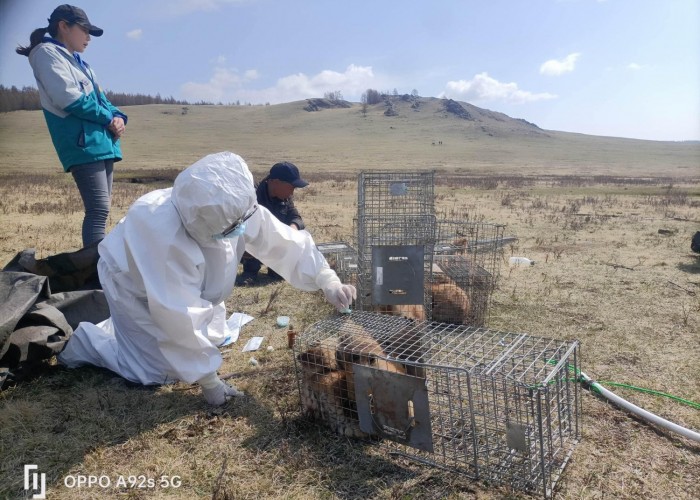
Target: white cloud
[555,67]
[485,88]
[219,87]
[353,80]
[228,85]
[135,34]
[634,66]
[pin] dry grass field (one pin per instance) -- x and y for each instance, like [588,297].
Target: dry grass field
[588,210]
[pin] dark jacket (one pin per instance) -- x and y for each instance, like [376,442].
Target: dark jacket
[284,210]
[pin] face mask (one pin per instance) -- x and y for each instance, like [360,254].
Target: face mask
[238,227]
[236,232]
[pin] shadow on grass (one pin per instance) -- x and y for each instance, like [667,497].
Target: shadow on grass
[60,416]
[70,421]
[333,466]
[354,469]
[692,267]
[260,280]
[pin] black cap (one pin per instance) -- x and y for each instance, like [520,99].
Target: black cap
[74,15]
[287,172]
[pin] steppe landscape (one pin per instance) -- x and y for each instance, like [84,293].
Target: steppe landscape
[608,222]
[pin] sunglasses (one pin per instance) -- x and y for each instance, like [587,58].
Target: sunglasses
[239,221]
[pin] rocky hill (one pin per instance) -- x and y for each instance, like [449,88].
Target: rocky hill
[465,116]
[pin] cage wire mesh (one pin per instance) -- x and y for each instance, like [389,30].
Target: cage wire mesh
[395,193]
[465,271]
[342,258]
[496,406]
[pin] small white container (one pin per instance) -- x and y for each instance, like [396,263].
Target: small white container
[520,262]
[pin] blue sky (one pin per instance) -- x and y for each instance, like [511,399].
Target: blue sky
[625,68]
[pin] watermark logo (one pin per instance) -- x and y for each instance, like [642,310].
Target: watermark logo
[36,479]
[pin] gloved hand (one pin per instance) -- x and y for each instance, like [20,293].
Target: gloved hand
[340,295]
[216,391]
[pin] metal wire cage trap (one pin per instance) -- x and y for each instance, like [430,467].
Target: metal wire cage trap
[414,265]
[395,235]
[465,271]
[495,406]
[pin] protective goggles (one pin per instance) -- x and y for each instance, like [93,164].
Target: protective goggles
[236,224]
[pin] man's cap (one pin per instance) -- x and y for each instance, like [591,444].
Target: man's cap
[74,15]
[287,172]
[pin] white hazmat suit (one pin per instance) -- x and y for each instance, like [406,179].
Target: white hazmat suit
[165,276]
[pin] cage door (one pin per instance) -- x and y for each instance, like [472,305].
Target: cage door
[398,274]
[394,406]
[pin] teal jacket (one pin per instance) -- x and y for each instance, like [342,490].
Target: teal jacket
[76,109]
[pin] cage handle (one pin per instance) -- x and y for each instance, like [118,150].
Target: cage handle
[391,431]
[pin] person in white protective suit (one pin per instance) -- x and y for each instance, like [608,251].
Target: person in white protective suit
[168,265]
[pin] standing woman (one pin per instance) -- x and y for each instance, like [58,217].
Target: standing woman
[85,127]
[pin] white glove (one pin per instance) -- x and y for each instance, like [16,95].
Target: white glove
[216,391]
[341,296]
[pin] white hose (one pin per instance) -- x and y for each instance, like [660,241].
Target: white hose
[640,412]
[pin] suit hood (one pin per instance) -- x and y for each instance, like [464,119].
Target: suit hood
[213,193]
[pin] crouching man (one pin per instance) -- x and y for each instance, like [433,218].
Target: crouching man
[276,193]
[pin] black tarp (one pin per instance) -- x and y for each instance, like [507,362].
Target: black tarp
[38,313]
